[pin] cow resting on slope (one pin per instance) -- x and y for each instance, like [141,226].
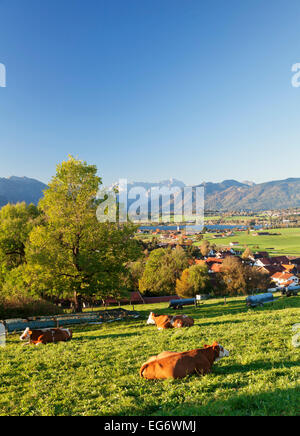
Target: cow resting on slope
[45,336]
[168,321]
[170,364]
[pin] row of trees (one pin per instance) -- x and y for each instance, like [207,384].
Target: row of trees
[167,271]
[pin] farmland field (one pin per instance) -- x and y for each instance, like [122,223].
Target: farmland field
[286,243]
[97,373]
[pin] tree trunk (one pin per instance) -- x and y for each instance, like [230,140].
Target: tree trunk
[77,303]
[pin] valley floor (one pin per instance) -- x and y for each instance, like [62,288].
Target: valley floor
[287,242]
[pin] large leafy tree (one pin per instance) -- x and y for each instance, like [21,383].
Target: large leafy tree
[233,276]
[162,269]
[73,254]
[193,280]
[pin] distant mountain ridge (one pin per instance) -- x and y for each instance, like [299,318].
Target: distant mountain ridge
[17,189]
[278,194]
[224,196]
[233,195]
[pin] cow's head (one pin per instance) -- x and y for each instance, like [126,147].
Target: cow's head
[221,351]
[26,334]
[151,319]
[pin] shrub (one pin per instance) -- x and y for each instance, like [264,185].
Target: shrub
[24,307]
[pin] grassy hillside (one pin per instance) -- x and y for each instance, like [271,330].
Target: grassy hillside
[97,372]
[288,242]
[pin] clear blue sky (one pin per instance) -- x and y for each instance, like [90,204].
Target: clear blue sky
[151,89]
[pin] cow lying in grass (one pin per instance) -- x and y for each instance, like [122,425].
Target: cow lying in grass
[170,364]
[45,336]
[167,321]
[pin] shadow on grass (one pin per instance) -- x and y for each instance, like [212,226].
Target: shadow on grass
[276,402]
[205,324]
[109,335]
[255,366]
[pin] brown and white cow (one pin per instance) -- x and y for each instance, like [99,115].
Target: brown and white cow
[45,336]
[170,364]
[168,321]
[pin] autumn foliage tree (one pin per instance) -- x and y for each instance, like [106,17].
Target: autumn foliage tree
[247,253]
[205,248]
[241,279]
[194,280]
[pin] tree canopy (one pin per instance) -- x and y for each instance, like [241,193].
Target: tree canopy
[16,223]
[72,254]
[194,280]
[241,279]
[162,269]
[205,248]
[247,253]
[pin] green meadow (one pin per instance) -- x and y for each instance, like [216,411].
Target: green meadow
[97,373]
[287,243]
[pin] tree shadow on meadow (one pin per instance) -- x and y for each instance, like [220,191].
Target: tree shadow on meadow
[205,324]
[278,402]
[104,336]
[255,366]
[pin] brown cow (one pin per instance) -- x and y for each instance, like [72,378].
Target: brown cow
[45,336]
[170,364]
[168,321]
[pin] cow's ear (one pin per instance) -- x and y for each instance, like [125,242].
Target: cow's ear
[215,344]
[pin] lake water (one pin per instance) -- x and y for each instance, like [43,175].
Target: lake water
[199,228]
